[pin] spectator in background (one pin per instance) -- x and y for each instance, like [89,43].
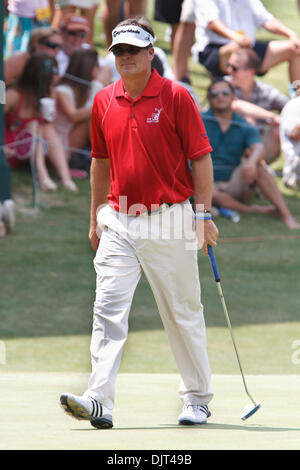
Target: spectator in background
[242,67]
[46,40]
[113,11]
[290,143]
[223,26]
[86,8]
[23,17]
[25,126]
[7,204]
[184,40]
[168,11]
[74,98]
[238,159]
[74,30]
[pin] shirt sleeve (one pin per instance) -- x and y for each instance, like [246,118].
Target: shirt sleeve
[190,127]
[205,12]
[251,134]
[98,143]
[260,13]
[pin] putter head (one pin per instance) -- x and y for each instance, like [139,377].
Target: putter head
[249,410]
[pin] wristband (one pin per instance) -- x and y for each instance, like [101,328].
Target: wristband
[203,217]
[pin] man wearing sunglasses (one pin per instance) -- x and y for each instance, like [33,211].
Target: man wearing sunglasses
[145,131]
[242,67]
[223,26]
[238,159]
[74,30]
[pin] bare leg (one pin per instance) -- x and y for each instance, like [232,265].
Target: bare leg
[271,141]
[182,44]
[79,136]
[110,17]
[269,188]
[282,51]
[57,155]
[59,13]
[89,14]
[136,8]
[223,199]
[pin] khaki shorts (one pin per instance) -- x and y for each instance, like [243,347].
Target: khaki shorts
[188,12]
[237,187]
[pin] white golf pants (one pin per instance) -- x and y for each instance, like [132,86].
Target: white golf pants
[163,245]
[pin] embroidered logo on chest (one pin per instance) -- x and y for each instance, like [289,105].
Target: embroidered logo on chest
[155,116]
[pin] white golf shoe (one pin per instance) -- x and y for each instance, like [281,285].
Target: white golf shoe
[86,408]
[194,414]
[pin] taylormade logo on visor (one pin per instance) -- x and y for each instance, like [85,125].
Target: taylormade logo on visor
[133,35]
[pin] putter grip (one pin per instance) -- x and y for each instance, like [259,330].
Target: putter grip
[213,262]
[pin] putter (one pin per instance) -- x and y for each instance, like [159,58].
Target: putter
[249,410]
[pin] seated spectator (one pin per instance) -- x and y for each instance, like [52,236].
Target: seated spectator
[290,143]
[25,128]
[74,97]
[74,30]
[46,40]
[242,67]
[238,159]
[23,17]
[223,26]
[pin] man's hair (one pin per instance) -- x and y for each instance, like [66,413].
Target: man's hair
[219,80]
[38,35]
[140,21]
[253,59]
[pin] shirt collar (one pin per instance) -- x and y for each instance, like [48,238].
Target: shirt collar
[152,88]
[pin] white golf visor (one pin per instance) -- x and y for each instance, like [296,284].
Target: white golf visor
[131,34]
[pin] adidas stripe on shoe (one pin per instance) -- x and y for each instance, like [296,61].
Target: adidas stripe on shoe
[194,414]
[86,409]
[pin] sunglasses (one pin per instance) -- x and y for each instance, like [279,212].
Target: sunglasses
[234,68]
[78,34]
[214,94]
[51,44]
[119,51]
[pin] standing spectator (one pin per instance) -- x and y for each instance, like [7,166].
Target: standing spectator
[168,11]
[23,17]
[46,40]
[223,26]
[236,178]
[24,122]
[290,143]
[114,10]
[74,97]
[184,40]
[145,130]
[86,8]
[242,67]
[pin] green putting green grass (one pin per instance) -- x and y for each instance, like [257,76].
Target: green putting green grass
[146,411]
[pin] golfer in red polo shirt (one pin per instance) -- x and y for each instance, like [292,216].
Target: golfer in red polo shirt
[145,131]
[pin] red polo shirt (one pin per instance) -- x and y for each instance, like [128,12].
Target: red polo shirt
[149,142]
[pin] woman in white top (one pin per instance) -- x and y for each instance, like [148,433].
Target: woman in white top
[74,99]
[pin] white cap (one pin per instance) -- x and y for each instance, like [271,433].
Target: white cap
[131,34]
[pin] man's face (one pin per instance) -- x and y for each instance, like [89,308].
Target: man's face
[238,70]
[221,97]
[73,40]
[132,61]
